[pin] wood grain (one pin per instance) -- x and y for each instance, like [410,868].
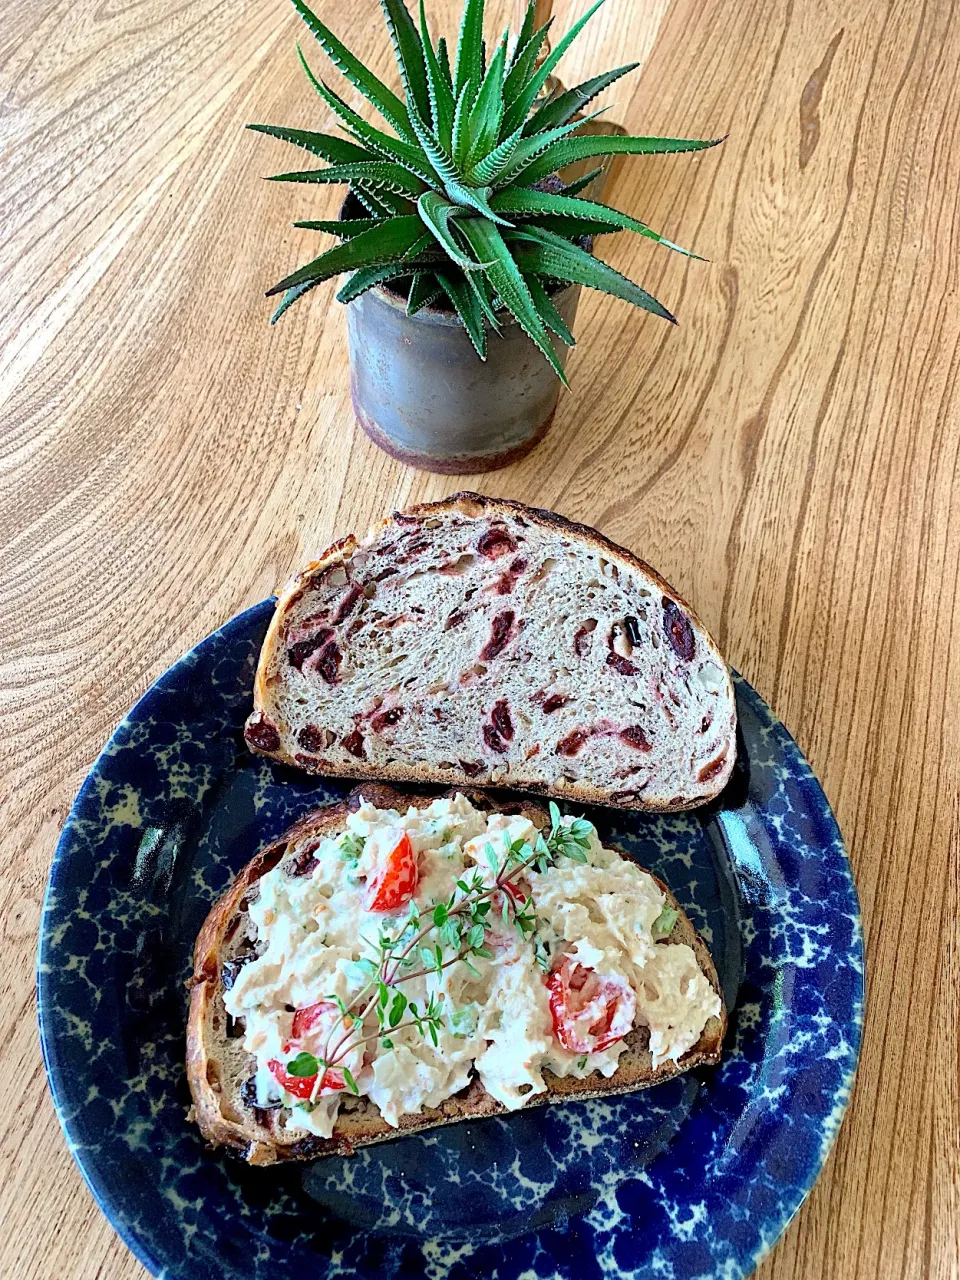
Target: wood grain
[787,457]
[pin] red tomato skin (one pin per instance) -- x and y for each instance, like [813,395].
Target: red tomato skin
[395,882]
[567,978]
[308,1019]
[302,1086]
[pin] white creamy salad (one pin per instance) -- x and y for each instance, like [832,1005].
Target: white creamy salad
[557,994]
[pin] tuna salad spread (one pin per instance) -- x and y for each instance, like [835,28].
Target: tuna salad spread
[414,950]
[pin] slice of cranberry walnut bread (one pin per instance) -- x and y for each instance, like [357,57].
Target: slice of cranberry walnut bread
[480,640]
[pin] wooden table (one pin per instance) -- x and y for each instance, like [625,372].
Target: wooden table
[787,457]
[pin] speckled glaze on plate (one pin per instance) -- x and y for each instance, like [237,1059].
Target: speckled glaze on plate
[694,1179]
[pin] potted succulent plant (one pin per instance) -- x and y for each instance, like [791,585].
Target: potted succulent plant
[466,249]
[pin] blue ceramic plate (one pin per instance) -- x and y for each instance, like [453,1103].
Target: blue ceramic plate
[696,1178]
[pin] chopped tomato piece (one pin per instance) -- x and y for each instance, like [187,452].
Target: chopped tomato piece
[309,1020]
[302,1086]
[394,882]
[590,1011]
[308,1034]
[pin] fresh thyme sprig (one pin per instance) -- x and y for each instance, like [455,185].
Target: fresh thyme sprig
[457,933]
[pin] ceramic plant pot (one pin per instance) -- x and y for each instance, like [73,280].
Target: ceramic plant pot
[421,392]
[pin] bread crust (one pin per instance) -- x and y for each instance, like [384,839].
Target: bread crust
[225,1124]
[473,505]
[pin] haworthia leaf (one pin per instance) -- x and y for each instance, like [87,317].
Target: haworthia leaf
[389,241]
[467,62]
[436,213]
[443,57]
[483,125]
[345,228]
[411,157]
[367,277]
[374,90]
[570,228]
[480,285]
[549,255]
[326,146]
[568,150]
[474,198]
[524,61]
[440,161]
[523,200]
[423,291]
[468,309]
[290,297]
[460,141]
[579,184]
[562,107]
[528,95]
[528,150]
[409,53]
[381,201]
[442,102]
[487,243]
[526,30]
[372,173]
[492,165]
[549,314]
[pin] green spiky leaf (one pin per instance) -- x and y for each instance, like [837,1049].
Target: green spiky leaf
[423,292]
[564,106]
[409,53]
[487,243]
[529,148]
[442,101]
[568,150]
[487,170]
[581,183]
[551,255]
[342,228]
[525,32]
[290,297]
[391,240]
[522,68]
[549,314]
[373,89]
[468,308]
[443,166]
[366,277]
[520,108]
[483,123]
[437,213]
[326,146]
[460,140]
[468,63]
[523,200]
[394,149]
[443,57]
[370,173]
[474,198]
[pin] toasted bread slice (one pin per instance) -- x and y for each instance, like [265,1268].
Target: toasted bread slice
[482,642]
[217,1066]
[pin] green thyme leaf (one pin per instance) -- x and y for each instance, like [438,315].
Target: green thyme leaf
[303,1066]
[350,1082]
[582,1062]
[397,1009]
